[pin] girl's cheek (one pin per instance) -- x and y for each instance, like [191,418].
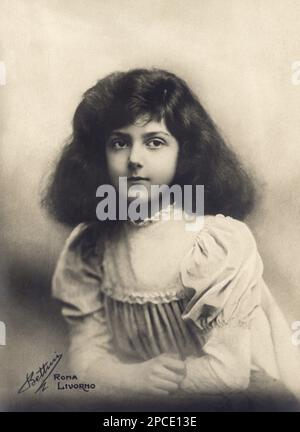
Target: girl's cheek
[117,161]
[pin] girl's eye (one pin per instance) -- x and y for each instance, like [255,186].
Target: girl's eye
[118,144]
[155,143]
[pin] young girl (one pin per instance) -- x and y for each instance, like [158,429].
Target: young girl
[155,308]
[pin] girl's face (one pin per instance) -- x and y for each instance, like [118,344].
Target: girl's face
[145,153]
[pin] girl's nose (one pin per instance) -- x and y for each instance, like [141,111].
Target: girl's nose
[136,156]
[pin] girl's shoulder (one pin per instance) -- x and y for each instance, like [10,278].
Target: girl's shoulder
[84,241]
[78,271]
[224,233]
[223,270]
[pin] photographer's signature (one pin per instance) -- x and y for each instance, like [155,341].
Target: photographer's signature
[37,380]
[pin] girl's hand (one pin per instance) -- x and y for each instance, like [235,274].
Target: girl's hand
[158,376]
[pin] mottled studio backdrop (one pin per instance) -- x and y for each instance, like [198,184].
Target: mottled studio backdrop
[237,56]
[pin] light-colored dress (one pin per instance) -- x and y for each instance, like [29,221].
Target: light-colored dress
[147,289]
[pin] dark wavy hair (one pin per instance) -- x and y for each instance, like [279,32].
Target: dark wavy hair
[120,99]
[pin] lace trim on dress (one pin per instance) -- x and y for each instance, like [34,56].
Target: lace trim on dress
[144,297]
[163,214]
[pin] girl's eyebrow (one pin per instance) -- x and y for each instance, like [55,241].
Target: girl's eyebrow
[145,135]
[118,133]
[151,134]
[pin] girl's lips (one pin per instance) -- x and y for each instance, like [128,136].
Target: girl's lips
[136,179]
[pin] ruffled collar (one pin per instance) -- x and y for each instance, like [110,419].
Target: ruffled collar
[167,213]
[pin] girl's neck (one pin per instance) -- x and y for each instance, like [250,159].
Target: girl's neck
[161,212]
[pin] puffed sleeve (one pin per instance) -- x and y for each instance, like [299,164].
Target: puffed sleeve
[222,273]
[76,285]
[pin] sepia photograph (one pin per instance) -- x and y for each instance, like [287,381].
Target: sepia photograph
[150,206]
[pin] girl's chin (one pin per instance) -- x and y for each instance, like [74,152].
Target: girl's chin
[137,192]
[141,199]
[142,195]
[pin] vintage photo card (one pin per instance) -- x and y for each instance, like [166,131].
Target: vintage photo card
[150,205]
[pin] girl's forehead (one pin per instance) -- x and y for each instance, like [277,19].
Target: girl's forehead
[144,125]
